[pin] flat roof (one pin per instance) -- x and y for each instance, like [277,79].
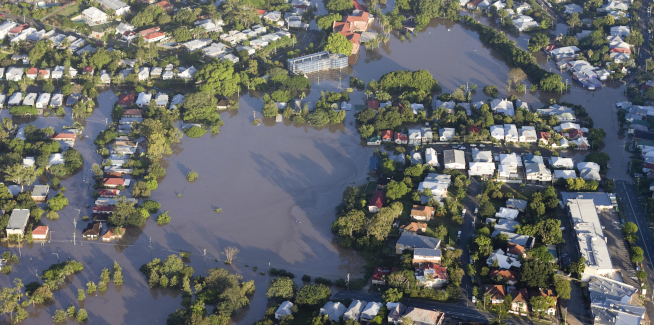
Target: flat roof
[18,219]
[599,198]
[590,236]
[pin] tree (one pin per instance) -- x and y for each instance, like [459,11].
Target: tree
[491,91]
[596,137]
[326,22]
[541,253]
[140,189]
[516,75]
[395,190]
[337,43]
[630,230]
[230,254]
[637,254]
[392,295]
[20,175]
[163,218]
[57,202]
[600,158]
[281,288]
[182,34]
[192,176]
[313,295]
[573,20]
[351,222]
[82,316]
[562,287]
[80,295]
[538,41]
[118,274]
[59,316]
[219,78]
[536,274]
[338,5]
[577,267]
[366,131]
[540,304]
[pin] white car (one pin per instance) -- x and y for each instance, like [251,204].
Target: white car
[473,145]
[462,147]
[476,211]
[464,212]
[482,145]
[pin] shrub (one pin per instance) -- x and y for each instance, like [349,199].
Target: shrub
[281,272]
[306,278]
[323,281]
[195,132]
[192,176]
[163,218]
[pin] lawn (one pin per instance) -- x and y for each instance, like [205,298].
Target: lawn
[69,11]
[521,193]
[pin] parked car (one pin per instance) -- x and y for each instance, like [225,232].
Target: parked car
[473,145]
[482,145]
[476,211]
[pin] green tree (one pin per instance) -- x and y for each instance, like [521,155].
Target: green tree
[281,288]
[338,5]
[313,295]
[219,78]
[337,43]
[395,190]
[536,274]
[58,202]
[392,295]
[573,20]
[366,131]
[82,316]
[540,304]
[637,254]
[163,218]
[80,295]
[630,231]
[326,22]
[59,316]
[20,175]
[562,287]
[182,34]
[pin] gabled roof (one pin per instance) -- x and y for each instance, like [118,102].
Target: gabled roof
[509,275]
[377,199]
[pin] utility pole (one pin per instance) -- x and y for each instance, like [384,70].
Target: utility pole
[348,281]
[204,258]
[151,258]
[74,232]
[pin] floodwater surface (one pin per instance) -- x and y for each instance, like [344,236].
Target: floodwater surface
[277,185]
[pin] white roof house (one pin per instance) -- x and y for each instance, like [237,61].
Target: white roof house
[30,99]
[56,159]
[497,132]
[438,184]
[124,27]
[588,165]
[334,309]
[502,106]
[143,99]
[511,133]
[5,28]
[590,175]
[120,8]
[454,159]
[230,57]
[15,99]
[187,73]
[482,156]
[56,100]
[622,31]
[371,310]
[528,134]
[177,100]
[564,174]
[14,74]
[416,158]
[590,237]
[427,135]
[431,157]
[415,136]
[144,73]
[94,16]
[3,97]
[523,22]
[446,134]
[161,99]
[43,100]
[215,49]
[283,310]
[560,162]
[355,309]
[196,44]
[481,169]
[57,72]
[503,261]
[507,213]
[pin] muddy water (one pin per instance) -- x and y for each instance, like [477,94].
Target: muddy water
[277,184]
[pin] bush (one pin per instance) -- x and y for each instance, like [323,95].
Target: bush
[151,206]
[491,91]
[323,281]
[281,272]
[192,176]
[306,278]
[163,218]
[195,132]
[52,215]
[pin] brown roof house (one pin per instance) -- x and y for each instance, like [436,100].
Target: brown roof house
[520,301]
[40,233]
[515,250]
[414,227]
[376,201]
[111,235]
[379,276]
[499,275]
[425,317]
[92,231]
[420,212]
[496,293]
[114,182]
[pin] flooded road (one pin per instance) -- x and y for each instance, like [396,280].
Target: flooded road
[276,183]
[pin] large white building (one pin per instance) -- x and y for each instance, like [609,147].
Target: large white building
[94,16]
[590,238]
[120,8]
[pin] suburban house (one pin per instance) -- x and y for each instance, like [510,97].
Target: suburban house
[425,317]
[495,292]
[40,193]
[416,158]
[284,310]
[94,16]
[502,106]
[520,301]
[510,276]
[562,163]
[412,241]
[334,310]
[590,175]
[427,135]
[420,212]
[517,204]
[504,261]
[120,8]
[511,133]
[354,311]
[115,182]
[535,169]
[143,99]
[543,137]
[437,183]
[446,134]
[40,233]
[43,100]
[376,202]
[497,132]
[431,157]
[396,311]
[515,250]
[482,156]
[92,231]
[111,234]
[108,193]
[370,312]
[17,222]
[431,275]
[415,137]
[551,310]
[414,227]
[528,134]
[426,255]
[564,174]
[56,100]
[126,100]
[386,135]
[481,169]
[401,138]
[379,276]
[507,213]
[454,159]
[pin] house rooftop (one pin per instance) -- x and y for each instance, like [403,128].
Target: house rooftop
[408,239]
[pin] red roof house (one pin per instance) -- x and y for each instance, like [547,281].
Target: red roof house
[17,29]
[32,72]
[149,31]
[359,6]
[111,235]
[387,135]
[574,134]
[373,103]
[473,129]
[376,201]
[113,182]
[40,232]
[64,136]
[108,193]
[167,6]
[126,99]
[132,112]
[261,12]
[379,276]
[103,209]
[87,69]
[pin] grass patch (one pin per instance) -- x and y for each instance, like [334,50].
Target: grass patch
[522,194]
[372,187]
[69,11]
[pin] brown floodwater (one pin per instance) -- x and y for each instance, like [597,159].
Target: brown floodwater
[277,184]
